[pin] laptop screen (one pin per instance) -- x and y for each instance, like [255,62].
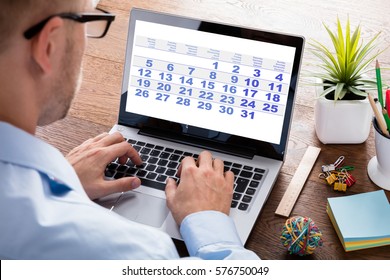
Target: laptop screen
[210,84]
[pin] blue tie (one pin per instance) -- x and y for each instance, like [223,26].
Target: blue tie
[57,187]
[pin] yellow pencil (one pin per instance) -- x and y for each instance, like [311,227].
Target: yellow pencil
[378,116]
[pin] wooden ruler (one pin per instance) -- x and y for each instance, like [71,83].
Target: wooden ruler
[297,182]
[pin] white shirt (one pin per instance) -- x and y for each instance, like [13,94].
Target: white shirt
[46,214]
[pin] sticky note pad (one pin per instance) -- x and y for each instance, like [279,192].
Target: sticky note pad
[361,220]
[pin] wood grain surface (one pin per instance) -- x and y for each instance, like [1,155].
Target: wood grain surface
[95,108]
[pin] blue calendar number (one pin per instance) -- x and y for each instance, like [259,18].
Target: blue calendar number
[272,87]
[270,108]
[149,63]
[256,73]
[206,95]
[145,72]
[226,110]
[165,77]
[247,114]
[162,96]
[183,101]
[142,93]
[227,99]
[143,83]
[250,92]
[279,77]
[252,83]
[204,105]
[248,103]
[273,97]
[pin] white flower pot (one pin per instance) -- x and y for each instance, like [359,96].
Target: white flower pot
[342,121]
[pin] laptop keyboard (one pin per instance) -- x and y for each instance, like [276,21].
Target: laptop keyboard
[160,162]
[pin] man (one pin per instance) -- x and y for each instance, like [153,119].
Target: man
[46,210]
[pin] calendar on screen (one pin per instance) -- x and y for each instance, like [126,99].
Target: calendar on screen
[213,81]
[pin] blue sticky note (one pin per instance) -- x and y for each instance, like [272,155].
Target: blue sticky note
[362,220]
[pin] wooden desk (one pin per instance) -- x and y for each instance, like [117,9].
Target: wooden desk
[95,108]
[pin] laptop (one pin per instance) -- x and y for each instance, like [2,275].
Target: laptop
[191,85]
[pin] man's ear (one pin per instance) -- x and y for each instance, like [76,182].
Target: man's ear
[45,44]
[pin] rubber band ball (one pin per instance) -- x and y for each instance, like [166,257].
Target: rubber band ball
[301,236]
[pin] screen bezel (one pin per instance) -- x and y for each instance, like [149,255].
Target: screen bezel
[231,143]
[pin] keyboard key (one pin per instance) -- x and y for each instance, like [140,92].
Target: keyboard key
[151,167]
[247,199]
[233,204]
[160,170]
[237,196]
[153,160]
[235,171]
[119,175]
[162,162]
[137,148]
[170,172]
[131,171]
[109,173]
[153,184]
[250,191]
[165,155]
[242,183]
[249,168]
[259,170]
[151,175]
[254,184]
[172,164]
[162,178]
[257,176]
[141,173]
[246,174]
[155,153]
[243,206]
[122,168]
[145,151]
[174,157]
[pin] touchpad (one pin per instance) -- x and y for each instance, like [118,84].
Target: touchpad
[142,208]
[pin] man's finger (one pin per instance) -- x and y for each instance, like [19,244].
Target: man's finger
[170,190]
[205,159]
[116,186]
[111,139]
[121,150]
[218,165]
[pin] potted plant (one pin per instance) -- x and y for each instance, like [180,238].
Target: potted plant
[342,110]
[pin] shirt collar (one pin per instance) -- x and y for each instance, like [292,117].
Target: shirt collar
[21,148]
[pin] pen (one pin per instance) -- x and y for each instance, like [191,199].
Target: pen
[379,83]
[388,100]
[378,116]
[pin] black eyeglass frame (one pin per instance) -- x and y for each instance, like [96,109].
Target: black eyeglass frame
[82,18]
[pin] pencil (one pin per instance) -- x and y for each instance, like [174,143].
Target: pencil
[379,83]
[378,116]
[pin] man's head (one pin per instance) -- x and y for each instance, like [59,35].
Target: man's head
[44,71]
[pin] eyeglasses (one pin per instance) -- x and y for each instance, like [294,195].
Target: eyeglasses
[97,24]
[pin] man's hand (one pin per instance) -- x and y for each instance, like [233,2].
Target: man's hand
[91,158]
[203,186]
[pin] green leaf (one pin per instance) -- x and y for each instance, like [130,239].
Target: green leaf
[347,63]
